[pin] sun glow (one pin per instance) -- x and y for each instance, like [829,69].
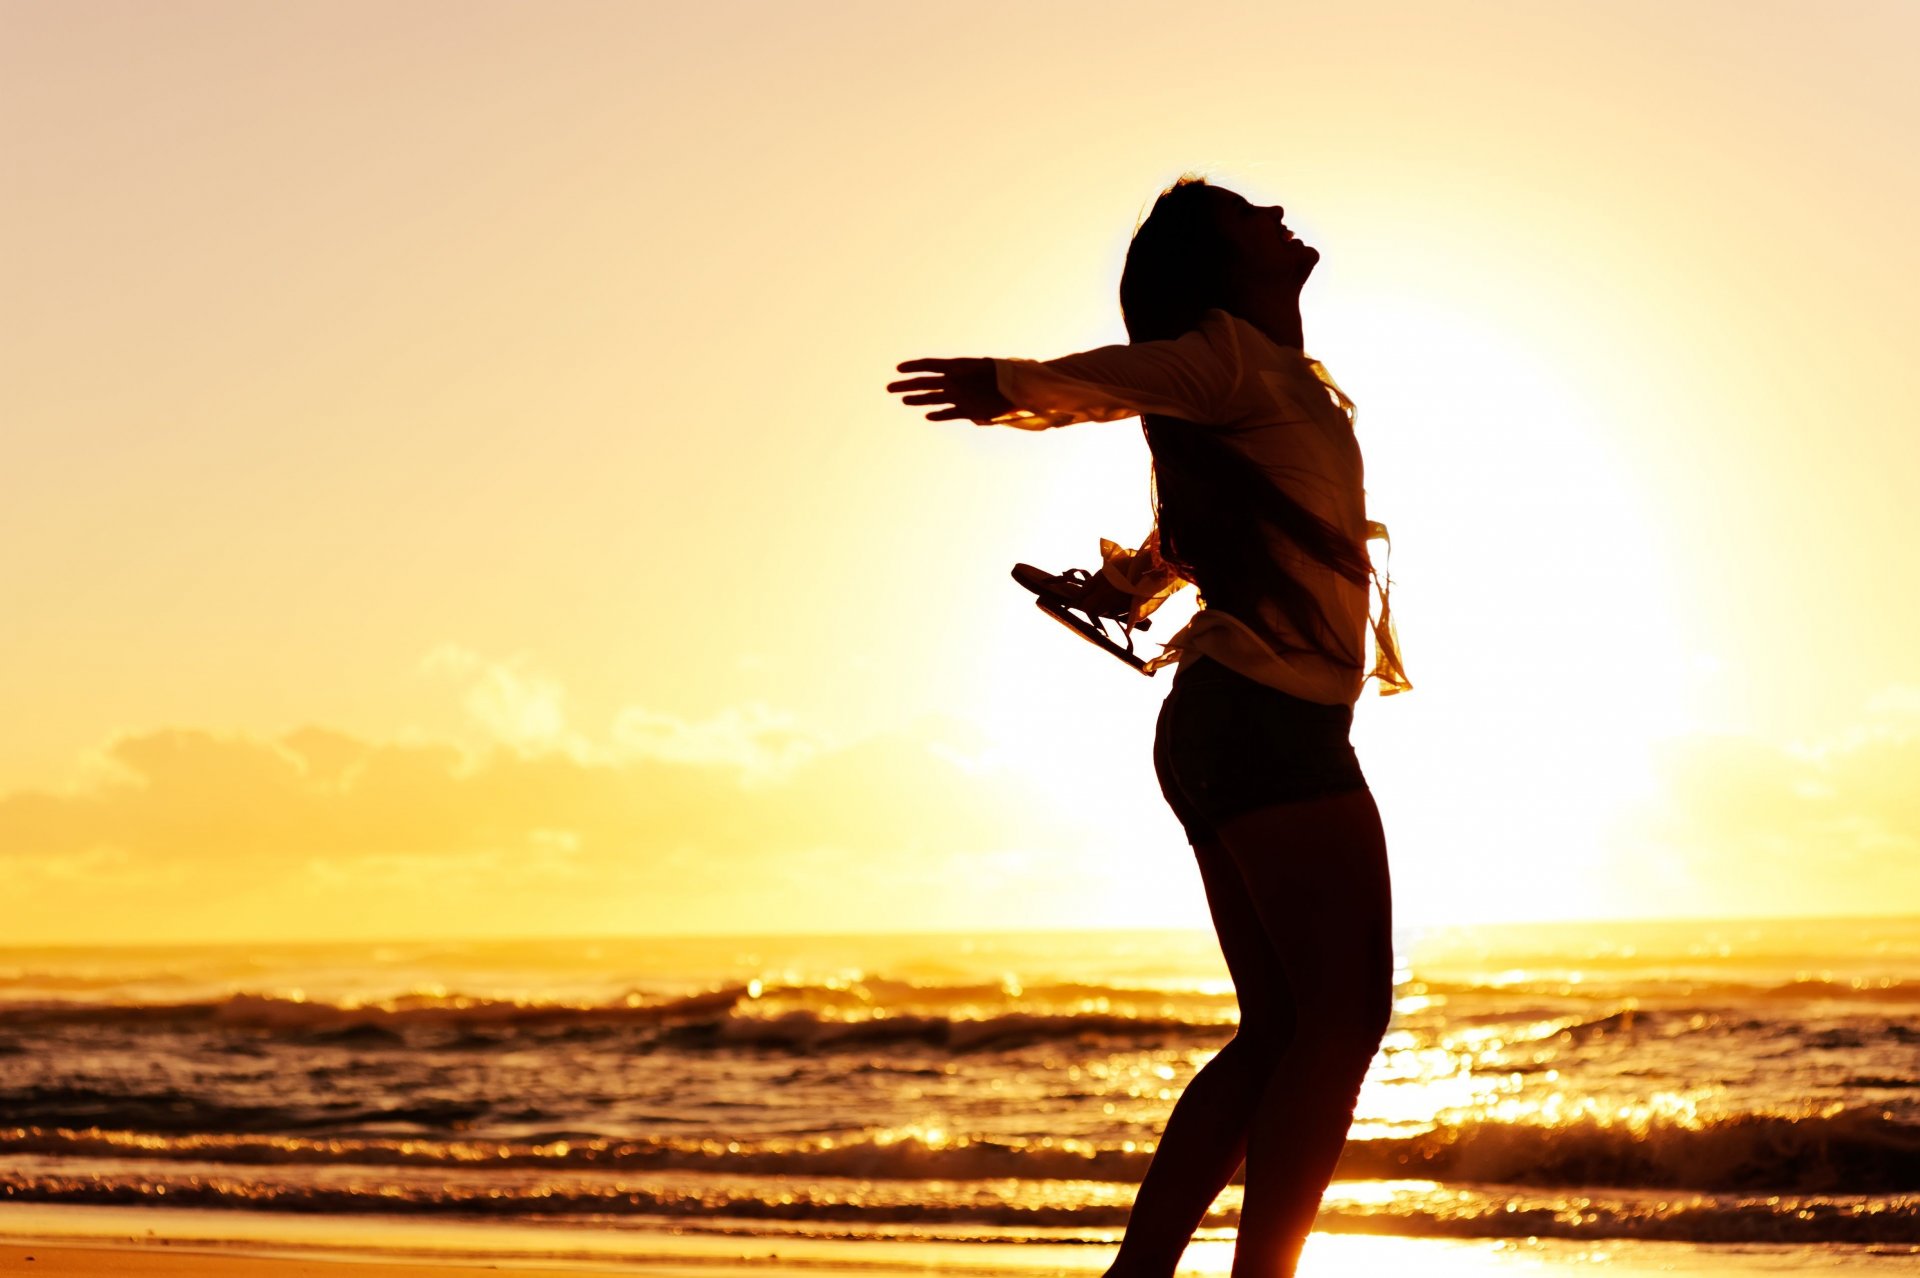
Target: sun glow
[439,519]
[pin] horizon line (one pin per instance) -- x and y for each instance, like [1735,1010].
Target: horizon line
[898,933]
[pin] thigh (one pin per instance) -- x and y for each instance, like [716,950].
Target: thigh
[1259,980]
[1317,878]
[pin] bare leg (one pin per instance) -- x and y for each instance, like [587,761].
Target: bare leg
[1206,1135]
[1316,873]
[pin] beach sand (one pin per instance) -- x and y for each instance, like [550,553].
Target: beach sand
[95,1242]
[1383,1258]
[93,1262]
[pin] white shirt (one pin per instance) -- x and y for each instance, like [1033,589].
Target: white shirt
[1279,407]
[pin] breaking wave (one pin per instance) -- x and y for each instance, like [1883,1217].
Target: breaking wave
[1852,1152]
[746,1015]
[1802,1220]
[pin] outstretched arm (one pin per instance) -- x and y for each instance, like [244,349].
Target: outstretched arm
[1195,377]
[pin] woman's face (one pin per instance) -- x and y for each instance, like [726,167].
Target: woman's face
[1262,242]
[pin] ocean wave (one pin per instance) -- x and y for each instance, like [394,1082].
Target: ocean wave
[1854,1151]
[1653,990]
[1851,1152]
[877,1010]
[273,1012]
[1803,1220]
[882,1156]
[1700,1219]
[871,992]
[729,1017]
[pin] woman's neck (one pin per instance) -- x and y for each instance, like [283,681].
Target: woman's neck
[1276,315]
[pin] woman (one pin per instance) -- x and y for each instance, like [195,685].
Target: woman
[1259,502]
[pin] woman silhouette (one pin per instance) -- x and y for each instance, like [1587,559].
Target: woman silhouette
[1257,489]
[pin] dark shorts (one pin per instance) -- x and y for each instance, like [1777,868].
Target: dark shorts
[1226,744]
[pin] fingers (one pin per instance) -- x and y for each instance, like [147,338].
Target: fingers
[945,414]
[944,386]
[923,390]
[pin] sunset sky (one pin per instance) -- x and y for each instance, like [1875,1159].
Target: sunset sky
[449,487]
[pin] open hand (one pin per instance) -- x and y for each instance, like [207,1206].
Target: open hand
[965,384]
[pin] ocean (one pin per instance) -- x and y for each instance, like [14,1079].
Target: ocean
[1706,1083]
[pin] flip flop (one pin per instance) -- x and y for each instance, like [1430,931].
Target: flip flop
[1079,620]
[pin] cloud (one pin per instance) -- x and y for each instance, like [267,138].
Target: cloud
[517,706]
[684,824]
[758,741]
[1828,826]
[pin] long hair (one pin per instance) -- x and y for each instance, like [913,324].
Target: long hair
[1212,505]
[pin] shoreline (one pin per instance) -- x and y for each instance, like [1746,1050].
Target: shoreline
[66,1241]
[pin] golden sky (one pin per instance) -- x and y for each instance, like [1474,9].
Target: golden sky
[449,487]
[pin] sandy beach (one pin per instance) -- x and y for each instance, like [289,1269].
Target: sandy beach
[1392,1256]
[92,1261]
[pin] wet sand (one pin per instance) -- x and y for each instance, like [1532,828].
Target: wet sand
[1328,1256]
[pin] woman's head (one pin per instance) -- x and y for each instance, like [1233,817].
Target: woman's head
[1203,246]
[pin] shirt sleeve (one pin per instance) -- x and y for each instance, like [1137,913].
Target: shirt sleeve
[1195,377]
